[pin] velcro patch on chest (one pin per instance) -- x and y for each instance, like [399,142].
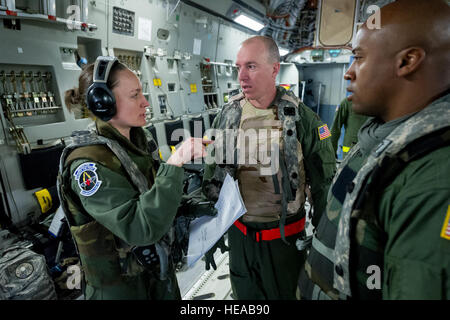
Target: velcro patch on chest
[445,232]
[87,179]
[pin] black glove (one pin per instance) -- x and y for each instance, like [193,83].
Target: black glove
[180,245]
[209,256]
[196,206]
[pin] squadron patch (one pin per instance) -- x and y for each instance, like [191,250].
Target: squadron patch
[87,179]
[324,132]
[445,232]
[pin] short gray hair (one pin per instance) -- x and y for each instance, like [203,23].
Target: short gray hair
[273,54]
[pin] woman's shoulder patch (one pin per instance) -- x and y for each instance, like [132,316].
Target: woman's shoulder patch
[87,178]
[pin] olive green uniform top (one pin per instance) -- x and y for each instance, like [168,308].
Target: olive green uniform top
[403,251]
[318,157]
[345,116]
[134,218]
[414,210]
[270,269]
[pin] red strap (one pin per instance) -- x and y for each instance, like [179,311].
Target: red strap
[241,227]
[272,234]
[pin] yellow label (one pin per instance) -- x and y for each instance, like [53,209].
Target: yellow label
[193,87]
[206,138]
[445,232]
[173,149]
[160,154]
[157,82]
[45,200]
[345,149]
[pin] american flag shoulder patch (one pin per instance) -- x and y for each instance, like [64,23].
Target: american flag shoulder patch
[445,233]
[324,132]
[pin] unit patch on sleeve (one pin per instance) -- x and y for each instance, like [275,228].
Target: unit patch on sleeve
[87,179]
[445,232]
[324,132]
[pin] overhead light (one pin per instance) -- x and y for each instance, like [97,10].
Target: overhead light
[249,22]
[283,51]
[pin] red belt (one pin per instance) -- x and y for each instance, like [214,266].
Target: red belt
[272,234]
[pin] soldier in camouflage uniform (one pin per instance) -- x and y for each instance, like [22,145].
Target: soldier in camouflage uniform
[352,122]
[386,231]
[278,148]
[116,198]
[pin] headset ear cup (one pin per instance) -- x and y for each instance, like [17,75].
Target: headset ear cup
[101,101]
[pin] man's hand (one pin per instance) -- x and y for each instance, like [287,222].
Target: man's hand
[192,148]
[209,256]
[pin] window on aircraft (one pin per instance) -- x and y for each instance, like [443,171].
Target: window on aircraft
[336,15]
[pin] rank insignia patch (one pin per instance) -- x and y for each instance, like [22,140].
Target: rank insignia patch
[445,232]
[87,179]
[324,132]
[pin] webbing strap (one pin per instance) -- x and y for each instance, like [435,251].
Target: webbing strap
[272,234]
[322,249]
[287,196]
[318,294]
[276,184]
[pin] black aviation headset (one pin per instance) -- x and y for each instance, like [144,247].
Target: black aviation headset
[99,98]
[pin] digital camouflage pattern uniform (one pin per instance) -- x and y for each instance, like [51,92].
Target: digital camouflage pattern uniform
[345,116]
[24,275]
[109,214]
[388,211]
[270,269]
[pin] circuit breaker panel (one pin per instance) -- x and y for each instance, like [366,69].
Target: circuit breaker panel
[28,97]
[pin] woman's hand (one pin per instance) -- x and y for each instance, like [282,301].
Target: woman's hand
[192,148]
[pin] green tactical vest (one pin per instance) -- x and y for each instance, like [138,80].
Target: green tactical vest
[326,274]
[227,126]
[105,259]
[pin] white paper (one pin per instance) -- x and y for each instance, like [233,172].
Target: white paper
[197,46]
[206,231]
[55,226]
[145,29]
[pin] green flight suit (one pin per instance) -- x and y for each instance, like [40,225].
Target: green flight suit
[400,232]
[119,209]
[270,269]
[345,116]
